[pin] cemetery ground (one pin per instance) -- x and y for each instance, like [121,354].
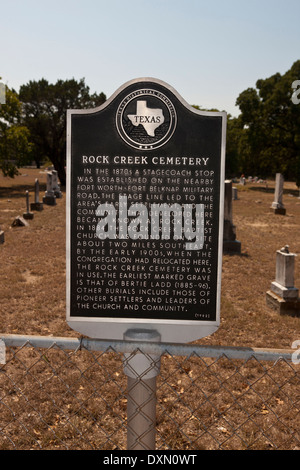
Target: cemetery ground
[32,301]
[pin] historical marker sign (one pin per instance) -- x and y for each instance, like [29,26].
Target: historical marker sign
[145,195]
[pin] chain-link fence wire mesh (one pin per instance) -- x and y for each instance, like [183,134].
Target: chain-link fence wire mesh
[59,398]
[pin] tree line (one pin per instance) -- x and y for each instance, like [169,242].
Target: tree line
[264,139]
[33,123]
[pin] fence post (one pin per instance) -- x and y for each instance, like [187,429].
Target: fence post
[141,370]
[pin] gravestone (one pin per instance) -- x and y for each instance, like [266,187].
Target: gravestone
[55,185]
[28,215]
[49,198]
[283,296]
[230,244]
[36,205]
[234,193]
[277,204]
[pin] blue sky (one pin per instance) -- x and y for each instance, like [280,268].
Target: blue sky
[209,51]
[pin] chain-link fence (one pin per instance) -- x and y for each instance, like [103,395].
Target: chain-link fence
[68,393]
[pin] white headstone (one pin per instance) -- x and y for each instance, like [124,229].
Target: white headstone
[28,214]
[49,198]
[284,280]
[55,185]
[277,204]
[36,205]
[230,244]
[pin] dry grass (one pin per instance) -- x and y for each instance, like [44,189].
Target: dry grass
[32,299]
[32,275]
[32,302]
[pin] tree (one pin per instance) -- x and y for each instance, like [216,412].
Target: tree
[45,107]
[15,145]
[233,138]
[270,141]
[233,135]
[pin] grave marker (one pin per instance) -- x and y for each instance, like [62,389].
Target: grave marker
[36,205]
[277,204]
[28,215]
[49,198]
[55,185]
[283,296]
[145,201]
[230,244]
[234,193]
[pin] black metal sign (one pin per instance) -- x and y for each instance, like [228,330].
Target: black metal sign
[145,214]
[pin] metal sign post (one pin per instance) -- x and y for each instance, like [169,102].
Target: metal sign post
[141,370]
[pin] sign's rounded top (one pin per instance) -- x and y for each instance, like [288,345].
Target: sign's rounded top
[143,83]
